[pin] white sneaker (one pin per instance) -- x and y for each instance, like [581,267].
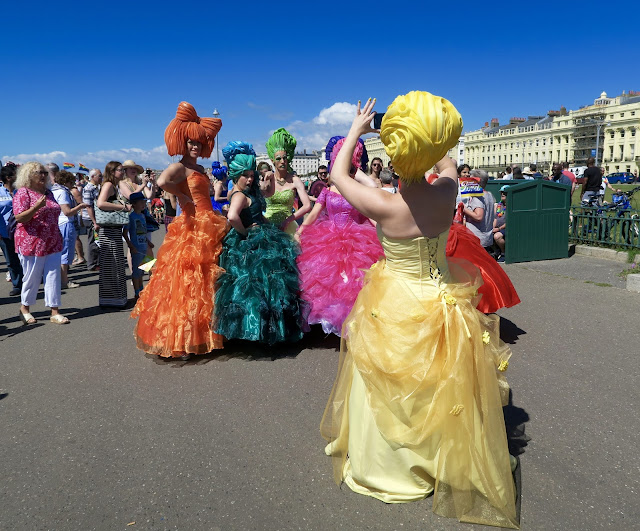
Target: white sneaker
[8,277]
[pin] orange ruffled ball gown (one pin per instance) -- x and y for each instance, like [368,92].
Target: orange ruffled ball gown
[175,309]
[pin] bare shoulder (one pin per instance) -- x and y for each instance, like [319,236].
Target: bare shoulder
[175,172]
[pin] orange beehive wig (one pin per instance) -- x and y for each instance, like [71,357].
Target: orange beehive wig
[187,125]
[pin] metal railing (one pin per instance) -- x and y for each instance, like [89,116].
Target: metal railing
[603,226]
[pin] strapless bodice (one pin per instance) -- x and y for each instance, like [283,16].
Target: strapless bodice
[196,186]
[419,258]
[280,205]
[339,209]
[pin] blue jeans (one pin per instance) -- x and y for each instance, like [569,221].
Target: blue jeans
[13,261]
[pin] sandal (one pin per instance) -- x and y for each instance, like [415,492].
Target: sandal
[59,319]
[71,285]
[78,262]
[27,319]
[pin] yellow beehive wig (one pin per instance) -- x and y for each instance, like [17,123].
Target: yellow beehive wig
[417,131]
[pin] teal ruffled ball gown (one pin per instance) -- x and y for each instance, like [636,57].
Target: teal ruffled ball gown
[258,295]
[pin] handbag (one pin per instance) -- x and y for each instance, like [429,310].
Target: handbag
[118,218]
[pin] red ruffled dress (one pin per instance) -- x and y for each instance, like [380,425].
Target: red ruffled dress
[497,290]
[175,310]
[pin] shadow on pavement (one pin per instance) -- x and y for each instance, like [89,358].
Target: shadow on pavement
[509,331]
[515,419]
[252,351]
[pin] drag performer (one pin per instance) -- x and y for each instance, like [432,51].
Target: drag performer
[281,187]
[219,199]
[175,310]
[258,295]
[336,249]
[416,408]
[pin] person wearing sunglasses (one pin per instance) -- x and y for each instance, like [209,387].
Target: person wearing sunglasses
[38,241]
[376,168]
[280,189]
[319,184]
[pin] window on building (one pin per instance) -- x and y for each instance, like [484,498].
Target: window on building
[537,142]
[622,134]
[518,144]
[611,152]
[613,134]
[633,132]
[633,113]
[632,150]
[621,152]
[544,141]
[511,145]
[510,158]
[621,115]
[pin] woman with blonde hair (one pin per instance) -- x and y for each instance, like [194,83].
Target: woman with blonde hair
[416,408]
[175,310]
[38,241]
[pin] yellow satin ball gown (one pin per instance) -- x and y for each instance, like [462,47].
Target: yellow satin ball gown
[416,408]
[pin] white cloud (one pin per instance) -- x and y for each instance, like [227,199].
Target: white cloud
[331,121]
[156,158]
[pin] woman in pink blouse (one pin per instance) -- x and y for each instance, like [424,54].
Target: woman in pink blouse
[38,240]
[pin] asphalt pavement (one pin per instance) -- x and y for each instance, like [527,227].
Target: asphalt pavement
[97,435]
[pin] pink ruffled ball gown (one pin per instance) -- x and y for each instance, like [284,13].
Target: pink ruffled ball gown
[336,252]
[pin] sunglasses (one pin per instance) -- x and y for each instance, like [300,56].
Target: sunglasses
[284,157]
[322,173]
[377,164]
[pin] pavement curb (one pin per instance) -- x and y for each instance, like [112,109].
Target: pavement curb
[633,283]
[601,252]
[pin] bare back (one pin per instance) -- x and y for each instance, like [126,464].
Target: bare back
[419,209]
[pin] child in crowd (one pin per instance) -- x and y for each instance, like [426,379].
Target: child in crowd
[500,222]
[137,239]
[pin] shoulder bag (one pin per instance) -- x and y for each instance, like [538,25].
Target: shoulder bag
[105,218]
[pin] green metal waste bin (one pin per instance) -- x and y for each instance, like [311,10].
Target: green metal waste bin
[537,219]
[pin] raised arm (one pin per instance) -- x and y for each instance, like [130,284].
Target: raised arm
[268,184]
[372,202]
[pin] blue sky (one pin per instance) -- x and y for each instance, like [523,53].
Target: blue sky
[88,82]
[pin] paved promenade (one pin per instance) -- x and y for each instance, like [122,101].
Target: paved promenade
[96,435]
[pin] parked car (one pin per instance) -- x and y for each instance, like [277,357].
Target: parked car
[620,177]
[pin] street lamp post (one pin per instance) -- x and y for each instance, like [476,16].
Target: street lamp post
[599,125]
[215,115]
